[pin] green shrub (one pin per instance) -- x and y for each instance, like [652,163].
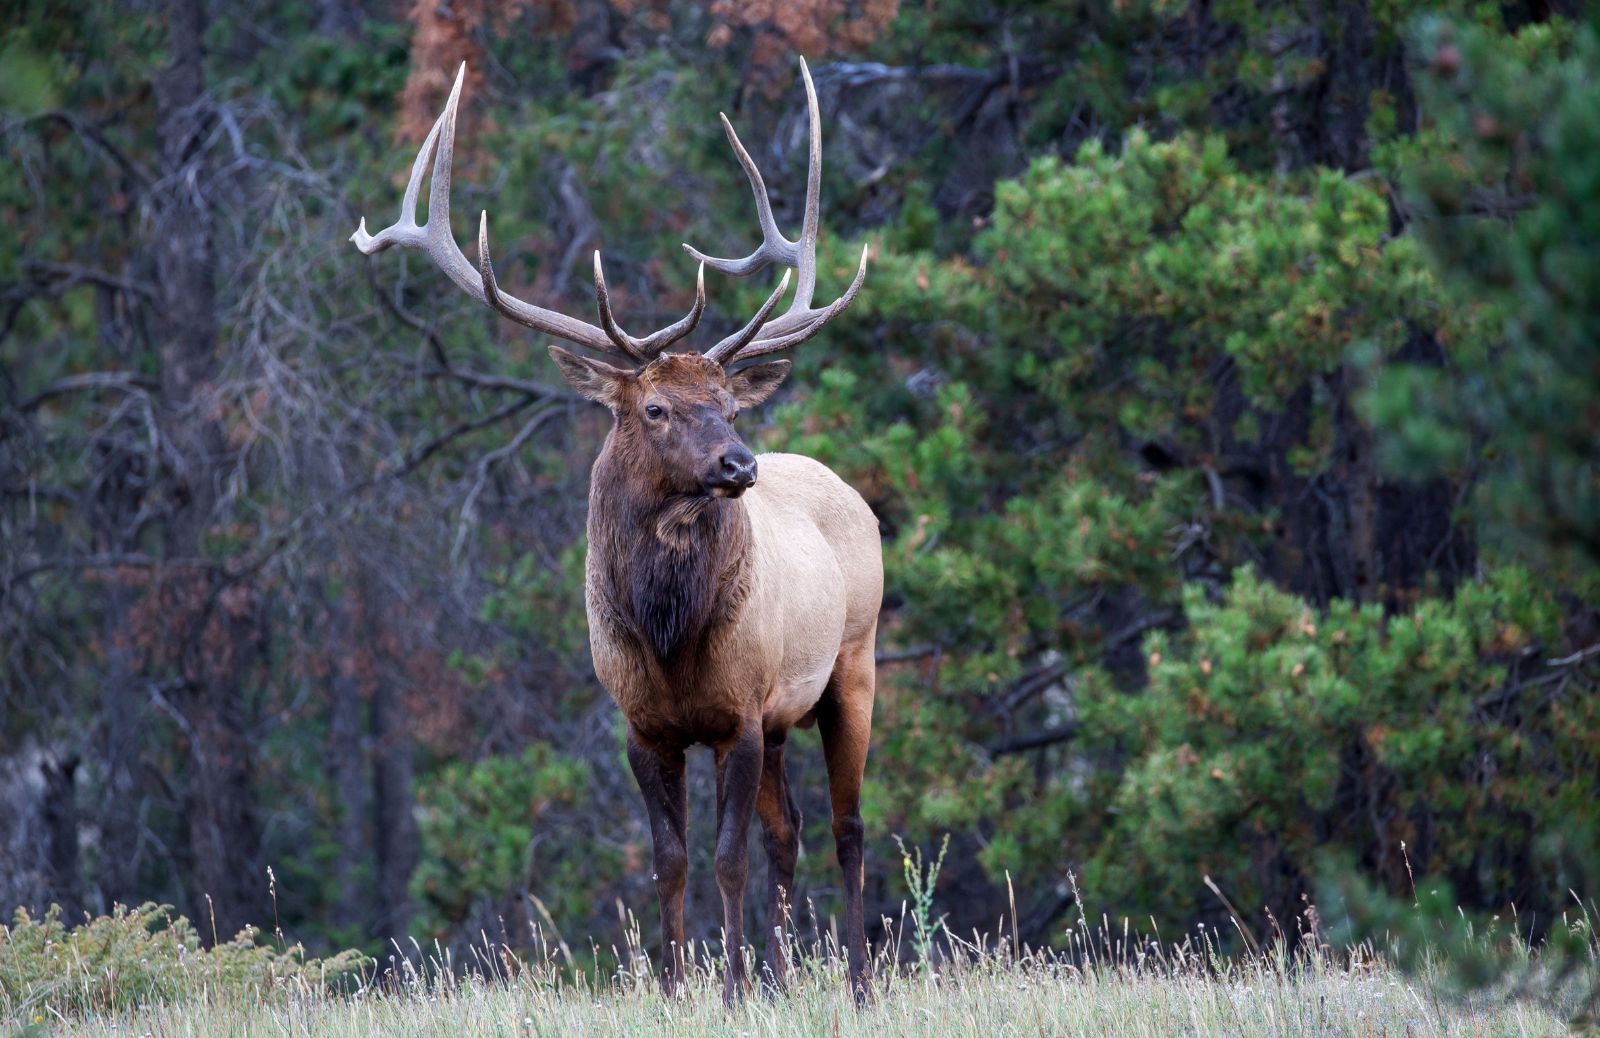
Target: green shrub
[1136,380]
[477,823]
[1431,742]
[143,956]
[1503,188]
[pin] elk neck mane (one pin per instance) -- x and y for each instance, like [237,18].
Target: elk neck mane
[673,566]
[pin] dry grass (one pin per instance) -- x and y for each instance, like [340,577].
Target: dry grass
[1126,989]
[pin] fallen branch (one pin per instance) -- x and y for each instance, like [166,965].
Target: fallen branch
[1035,740]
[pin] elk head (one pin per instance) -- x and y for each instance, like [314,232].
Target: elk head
[674,416]
[674,411]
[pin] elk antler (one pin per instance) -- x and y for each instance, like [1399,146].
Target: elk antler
[801,321]
[435,239]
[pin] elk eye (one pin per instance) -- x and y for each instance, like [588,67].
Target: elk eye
[655,411]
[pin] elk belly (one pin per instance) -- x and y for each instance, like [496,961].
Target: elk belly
[810,650]
[794,698]
[799,604]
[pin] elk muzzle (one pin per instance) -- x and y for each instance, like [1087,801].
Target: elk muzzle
[734,472]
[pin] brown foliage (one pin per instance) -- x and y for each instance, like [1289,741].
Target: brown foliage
[184,620]
[445,35]
[781,29]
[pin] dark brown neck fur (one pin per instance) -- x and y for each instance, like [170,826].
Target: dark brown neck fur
[672,564]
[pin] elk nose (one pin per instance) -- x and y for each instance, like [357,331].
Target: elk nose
[739,466]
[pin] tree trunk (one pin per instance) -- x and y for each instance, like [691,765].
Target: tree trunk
[228,880]
[61,834]
[1341,94]
[1357,470]
[117,874]
[184,249]
[116,745]
[338,17]
[347,771]
[215,623]
[395,827]
[592,49]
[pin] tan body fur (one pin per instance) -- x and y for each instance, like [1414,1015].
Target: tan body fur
[804,595]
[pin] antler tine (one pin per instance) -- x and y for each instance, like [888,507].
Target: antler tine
[808,225]
[780,340]
[434,238]
[602,300]
[801,321]
[727,349]
[509,306]
[774,247]
[404,231]
[651,346]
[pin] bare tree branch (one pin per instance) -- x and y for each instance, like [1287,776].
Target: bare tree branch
[91,382]
[88,131]
[76,274]
[502,382]
[487,462]
[107,561]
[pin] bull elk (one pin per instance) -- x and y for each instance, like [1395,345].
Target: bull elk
[722,611]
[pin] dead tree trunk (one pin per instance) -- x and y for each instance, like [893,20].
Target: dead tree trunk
[61,831]
[225,879]
[348,763]
[118,754]
[393,820]
[396,829]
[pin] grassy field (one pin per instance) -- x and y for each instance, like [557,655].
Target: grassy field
[983,994]
[146,972]
[985,1001]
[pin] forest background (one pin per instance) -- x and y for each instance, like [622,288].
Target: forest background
[1226,382]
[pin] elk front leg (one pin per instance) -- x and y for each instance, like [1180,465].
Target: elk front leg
[738,779]
[661,779]
[780,824]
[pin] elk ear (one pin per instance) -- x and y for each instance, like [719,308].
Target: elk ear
[593,379]
[752,385]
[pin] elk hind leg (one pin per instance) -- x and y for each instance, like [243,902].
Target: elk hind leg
[844,720]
